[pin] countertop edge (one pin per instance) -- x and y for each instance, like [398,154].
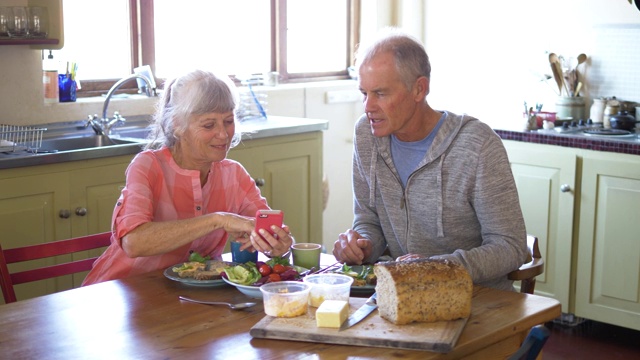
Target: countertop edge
[571,141]
[251,129]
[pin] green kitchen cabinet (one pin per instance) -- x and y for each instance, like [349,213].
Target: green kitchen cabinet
[546,179]
[585,207]
[608,268]
[45,203]
[288,170]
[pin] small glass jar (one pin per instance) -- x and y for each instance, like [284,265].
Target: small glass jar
[596,112]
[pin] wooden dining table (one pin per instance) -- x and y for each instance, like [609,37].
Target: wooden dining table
[141,317]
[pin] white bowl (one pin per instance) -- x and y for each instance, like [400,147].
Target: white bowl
[285,298]
[328,287]
[251,291]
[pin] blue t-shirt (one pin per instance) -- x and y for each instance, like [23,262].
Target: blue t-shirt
[407,154]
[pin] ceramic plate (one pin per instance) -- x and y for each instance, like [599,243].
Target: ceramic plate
[251,291]
[254,291]
[359,291]
[170,274]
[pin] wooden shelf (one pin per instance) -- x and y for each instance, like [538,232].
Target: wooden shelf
[29,41]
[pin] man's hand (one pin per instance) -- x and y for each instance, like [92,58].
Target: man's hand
[408,257]
[351,248]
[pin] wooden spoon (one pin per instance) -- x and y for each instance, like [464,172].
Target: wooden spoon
[556,62]
[581,58]
[553,59]
[578,87]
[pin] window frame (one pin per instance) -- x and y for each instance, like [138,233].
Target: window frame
[143,48]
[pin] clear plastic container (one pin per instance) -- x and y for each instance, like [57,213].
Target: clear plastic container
[328,287]
[285,298]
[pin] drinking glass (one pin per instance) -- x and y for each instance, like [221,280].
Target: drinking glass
[19,26]
[38,22]
[6,17]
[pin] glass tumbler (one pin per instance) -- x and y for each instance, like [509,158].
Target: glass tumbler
[6,19]
[38,22]
[18,27]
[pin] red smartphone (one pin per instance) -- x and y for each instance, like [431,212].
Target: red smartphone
[266,218]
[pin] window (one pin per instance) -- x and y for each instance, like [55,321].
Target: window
[302,40]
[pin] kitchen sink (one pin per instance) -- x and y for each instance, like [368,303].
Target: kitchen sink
[79,143]
[137,133]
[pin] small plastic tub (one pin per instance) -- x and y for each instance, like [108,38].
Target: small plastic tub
[328,287]
[285,298]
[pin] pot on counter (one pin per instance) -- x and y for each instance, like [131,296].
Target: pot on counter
[622,121]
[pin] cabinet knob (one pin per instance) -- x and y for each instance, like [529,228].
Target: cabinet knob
[260,182]
[81,211]
[565,188]
[64,214]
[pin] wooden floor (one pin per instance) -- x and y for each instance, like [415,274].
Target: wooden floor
[591,340]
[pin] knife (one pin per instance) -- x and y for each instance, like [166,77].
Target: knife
[361,313]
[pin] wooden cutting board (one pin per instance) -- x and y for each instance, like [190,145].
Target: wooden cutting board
[372,331]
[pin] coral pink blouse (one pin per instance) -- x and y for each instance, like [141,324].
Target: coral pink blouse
[157,189]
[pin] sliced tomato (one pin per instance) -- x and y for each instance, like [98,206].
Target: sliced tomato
[273,277]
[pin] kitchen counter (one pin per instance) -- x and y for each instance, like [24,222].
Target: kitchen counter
[625,145]
[252,129]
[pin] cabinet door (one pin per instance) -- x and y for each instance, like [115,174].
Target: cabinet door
[545,178]
[608,276]
[94,192]
[30,209]
[288,169]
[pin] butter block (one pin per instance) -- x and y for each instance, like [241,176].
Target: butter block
[332,313]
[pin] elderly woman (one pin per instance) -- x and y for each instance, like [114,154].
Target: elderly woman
[182,195]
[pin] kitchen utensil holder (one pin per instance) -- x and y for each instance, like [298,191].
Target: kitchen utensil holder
[18,138]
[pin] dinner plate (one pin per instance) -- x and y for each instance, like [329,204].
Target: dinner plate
[170,274]
[366,290]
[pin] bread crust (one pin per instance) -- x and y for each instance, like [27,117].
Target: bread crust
[423,290]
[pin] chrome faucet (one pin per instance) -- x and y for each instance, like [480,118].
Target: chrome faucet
[103,125]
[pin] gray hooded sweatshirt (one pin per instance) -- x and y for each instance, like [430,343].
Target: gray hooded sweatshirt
[461,203]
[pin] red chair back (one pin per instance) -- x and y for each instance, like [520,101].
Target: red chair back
[46,250]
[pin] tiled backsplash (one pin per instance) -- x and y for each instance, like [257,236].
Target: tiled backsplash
[615,65]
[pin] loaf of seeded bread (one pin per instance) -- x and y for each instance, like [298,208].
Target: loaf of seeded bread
[422,290]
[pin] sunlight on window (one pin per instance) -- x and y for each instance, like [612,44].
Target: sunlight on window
[231,37]
[315,43]
[227,37]
[96,36]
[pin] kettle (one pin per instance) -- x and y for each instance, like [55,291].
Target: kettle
[622,121]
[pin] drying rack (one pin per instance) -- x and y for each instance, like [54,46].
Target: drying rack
[18,138]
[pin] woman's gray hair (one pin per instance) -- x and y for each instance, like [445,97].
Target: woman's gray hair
[410,56]
[195,93]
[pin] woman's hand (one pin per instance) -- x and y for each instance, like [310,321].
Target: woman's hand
[239,227]
[271,245]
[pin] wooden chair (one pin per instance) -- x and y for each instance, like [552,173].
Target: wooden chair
[533,267]
[46,250]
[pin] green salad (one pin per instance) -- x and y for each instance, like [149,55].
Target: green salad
[243,274]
